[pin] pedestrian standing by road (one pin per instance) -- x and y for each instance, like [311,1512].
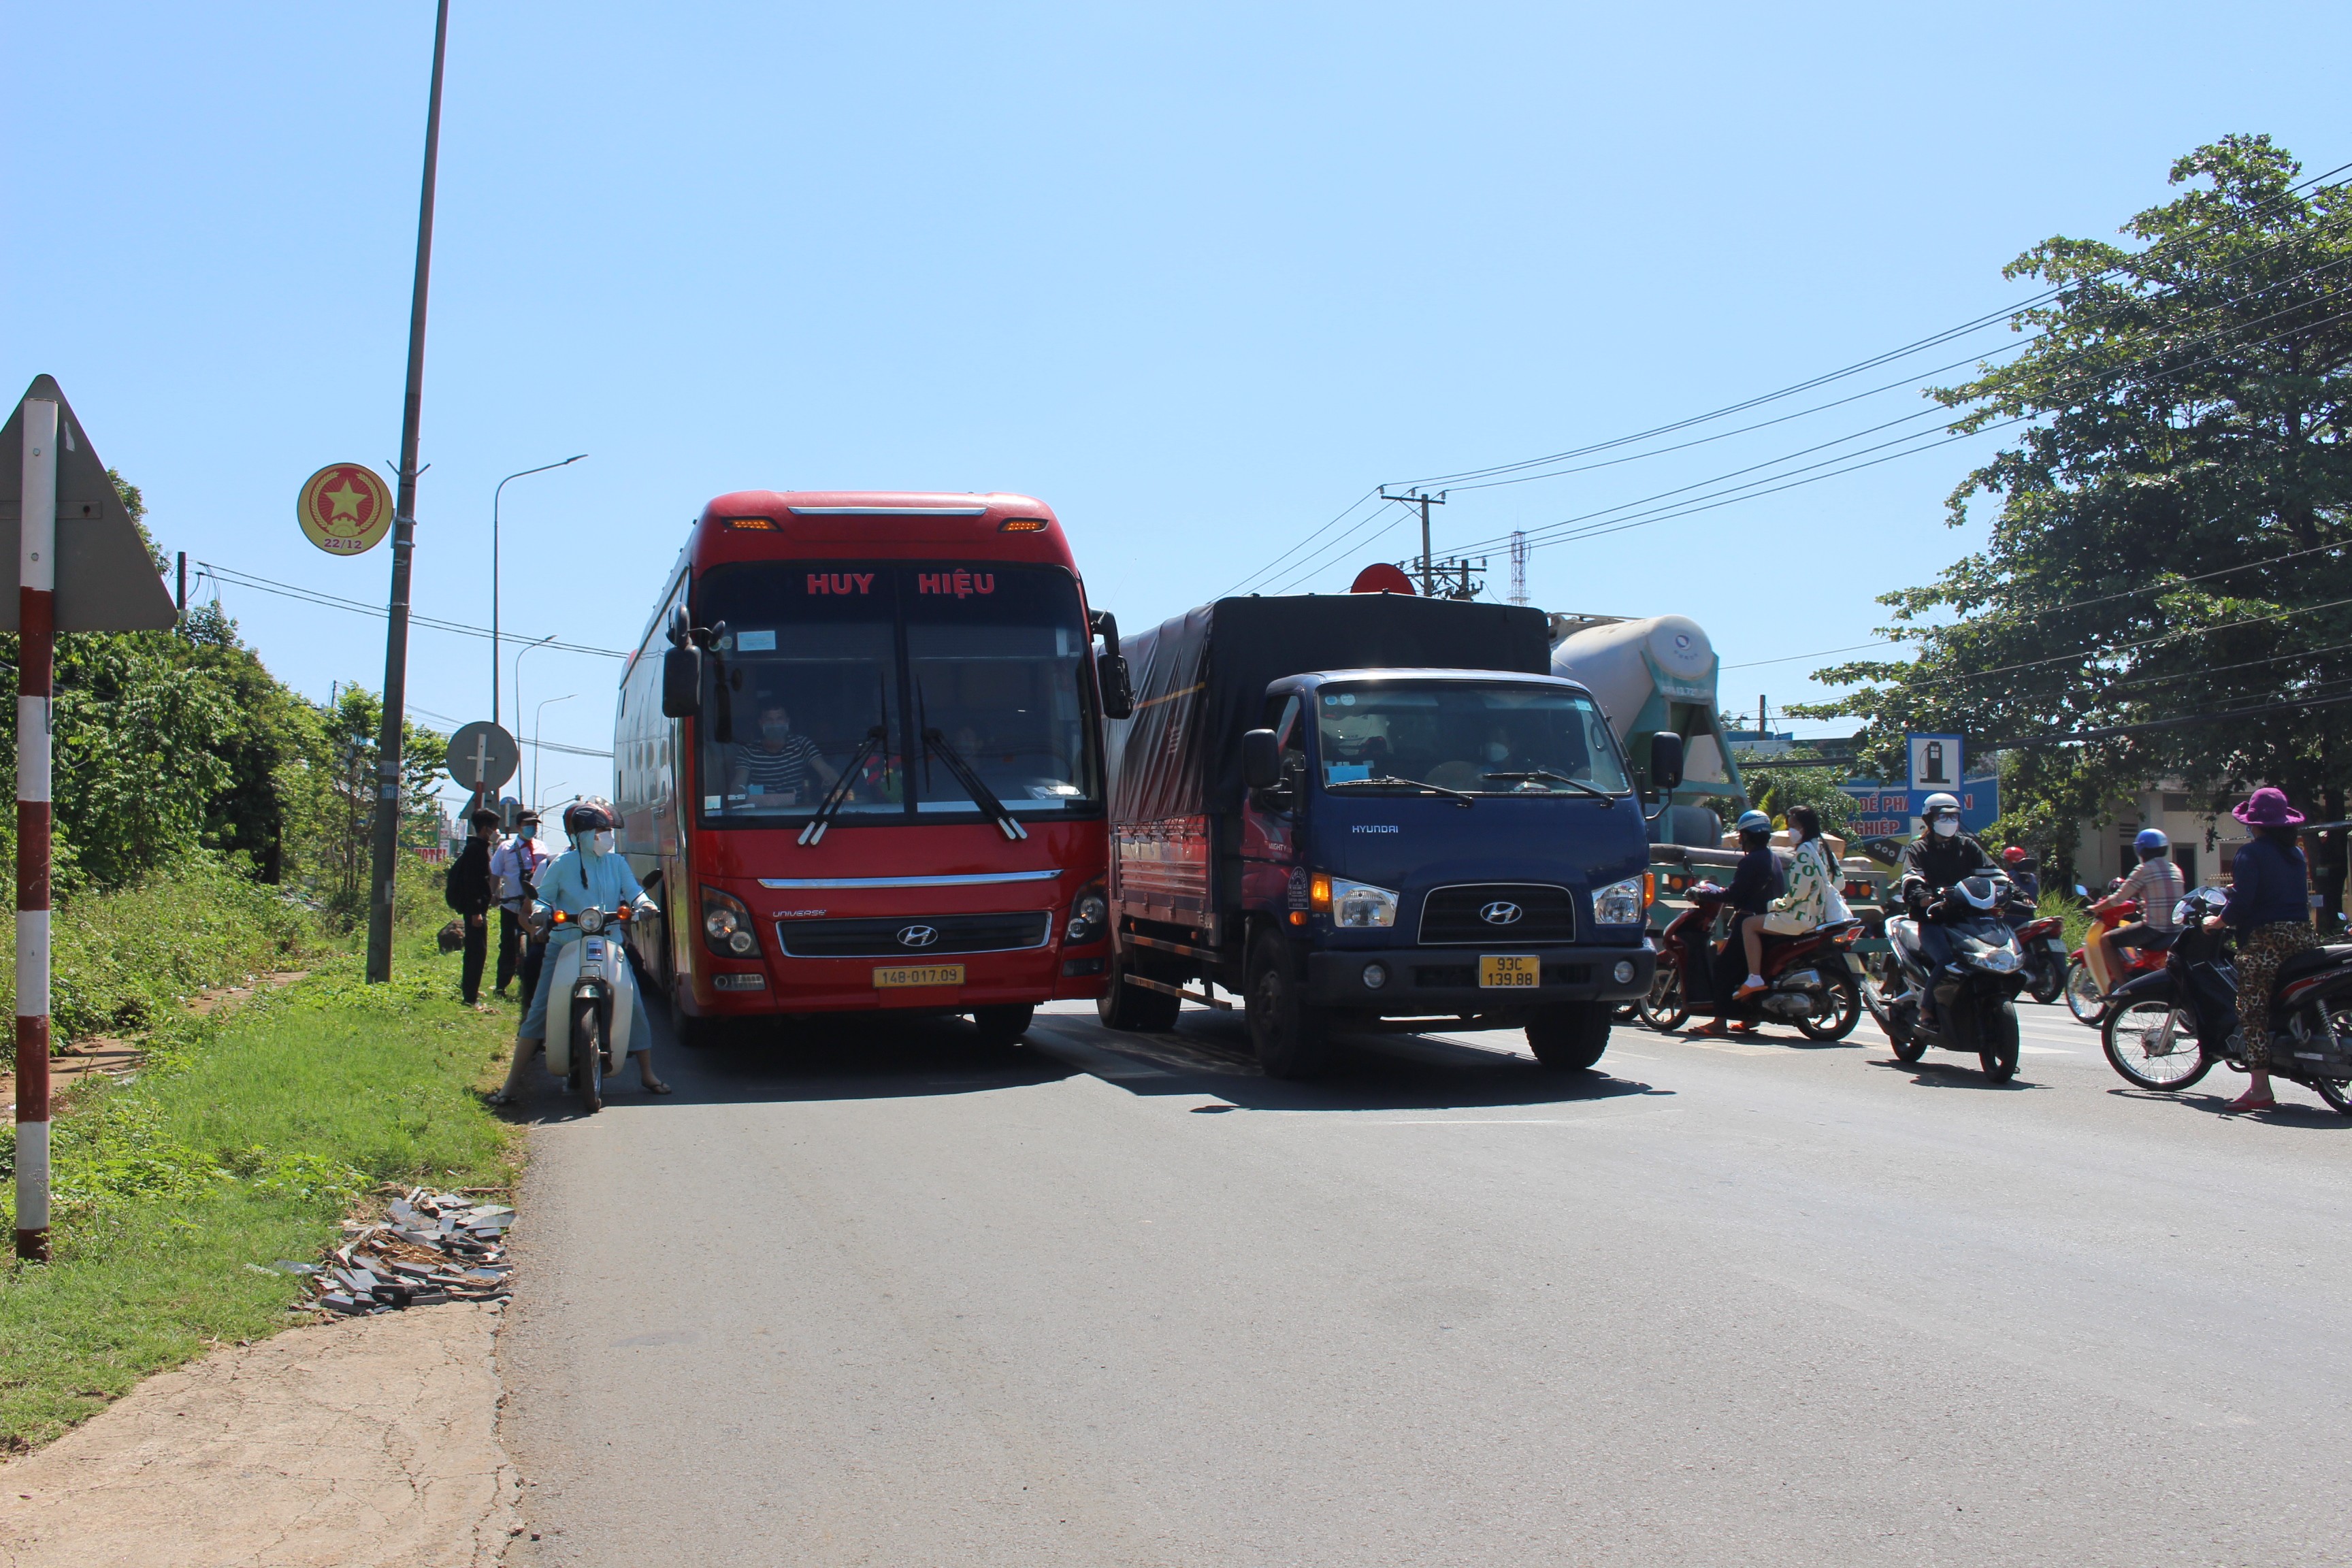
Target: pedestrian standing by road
[2270,909]
[516,868]
[468,892]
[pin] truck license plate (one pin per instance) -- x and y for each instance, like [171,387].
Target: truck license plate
[919,974]
[1510,968]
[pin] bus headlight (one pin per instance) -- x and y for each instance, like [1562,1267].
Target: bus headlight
[1089,917]
[727,927]
[1619,903]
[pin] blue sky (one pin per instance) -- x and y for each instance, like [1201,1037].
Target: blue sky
[1198,276]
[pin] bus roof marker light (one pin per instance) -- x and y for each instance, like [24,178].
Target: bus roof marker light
[753,524]
[1021,525]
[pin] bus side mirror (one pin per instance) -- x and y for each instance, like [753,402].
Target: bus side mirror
[1261,759]
[682,681]
[1665,761]
[1118,690]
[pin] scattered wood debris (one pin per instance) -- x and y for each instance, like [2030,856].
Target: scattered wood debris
[431,1247]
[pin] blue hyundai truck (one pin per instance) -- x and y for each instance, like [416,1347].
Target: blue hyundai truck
[1374,812]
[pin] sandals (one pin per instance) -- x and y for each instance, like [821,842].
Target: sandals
[1708,1031]
[2246,1103]
[656,1087]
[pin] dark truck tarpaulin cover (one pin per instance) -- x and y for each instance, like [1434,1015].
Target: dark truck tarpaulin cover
[1200,679]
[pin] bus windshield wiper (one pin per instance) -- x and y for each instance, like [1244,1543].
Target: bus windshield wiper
[1463,796]
[973,785]
[1556,778]
[838,795]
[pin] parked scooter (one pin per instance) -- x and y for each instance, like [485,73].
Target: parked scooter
[1811,980]
[591,997]
[1976,993]
[2082,998]
[2165,1031]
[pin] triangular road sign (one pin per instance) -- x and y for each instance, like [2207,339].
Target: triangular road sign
[105,580]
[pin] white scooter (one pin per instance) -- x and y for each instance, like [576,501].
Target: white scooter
[591,998]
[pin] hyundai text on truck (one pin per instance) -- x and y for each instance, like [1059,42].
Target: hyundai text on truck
[1374,811]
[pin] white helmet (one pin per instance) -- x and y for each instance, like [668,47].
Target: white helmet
[1936,802]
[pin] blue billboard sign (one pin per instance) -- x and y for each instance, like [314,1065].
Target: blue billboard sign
[1892,811]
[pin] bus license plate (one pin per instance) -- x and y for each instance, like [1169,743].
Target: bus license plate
[919,974]
[1509,970]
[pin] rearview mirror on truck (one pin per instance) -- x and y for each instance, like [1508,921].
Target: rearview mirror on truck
[1261,759]
[1665,761]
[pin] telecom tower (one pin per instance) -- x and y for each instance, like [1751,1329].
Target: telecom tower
[1518,566]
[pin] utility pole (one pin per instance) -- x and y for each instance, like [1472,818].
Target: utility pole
[1424,501]
[404,540]
[181,600]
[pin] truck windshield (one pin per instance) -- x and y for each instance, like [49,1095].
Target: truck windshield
[980,663]
[1481,739]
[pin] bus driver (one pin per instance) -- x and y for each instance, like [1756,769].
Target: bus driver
[779,764]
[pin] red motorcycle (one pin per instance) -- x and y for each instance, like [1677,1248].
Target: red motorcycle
[2045,957]
[1811,980]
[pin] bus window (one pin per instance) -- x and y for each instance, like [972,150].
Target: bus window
[997,675]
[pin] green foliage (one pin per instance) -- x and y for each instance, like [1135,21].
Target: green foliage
[2073,916]
[240,1142]
[2163,539]
[1774,790]
[121,960]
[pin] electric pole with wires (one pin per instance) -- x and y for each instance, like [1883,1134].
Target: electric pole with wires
[1425,568]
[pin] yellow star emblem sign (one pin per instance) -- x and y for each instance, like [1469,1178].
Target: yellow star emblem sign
[345,508]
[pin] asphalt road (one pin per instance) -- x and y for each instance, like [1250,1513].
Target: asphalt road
[880,1295]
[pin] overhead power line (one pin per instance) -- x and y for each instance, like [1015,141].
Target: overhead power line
[237,579]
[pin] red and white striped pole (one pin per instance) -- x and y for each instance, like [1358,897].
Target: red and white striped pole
[37,624]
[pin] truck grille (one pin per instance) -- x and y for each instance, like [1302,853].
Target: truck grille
[1452,915]
[889,937]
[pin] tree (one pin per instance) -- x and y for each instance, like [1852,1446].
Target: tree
[2165,524]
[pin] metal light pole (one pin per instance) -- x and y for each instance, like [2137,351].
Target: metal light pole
[495,496]
[404,542]
[534,743]
[518,676]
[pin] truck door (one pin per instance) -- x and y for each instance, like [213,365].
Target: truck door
[1270,817]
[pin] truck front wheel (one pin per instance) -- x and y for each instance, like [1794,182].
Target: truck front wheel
[1568,1037]
[1125,1007]
[1292,1039]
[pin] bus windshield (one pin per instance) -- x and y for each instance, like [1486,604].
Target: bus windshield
[1505,738]
[908,679]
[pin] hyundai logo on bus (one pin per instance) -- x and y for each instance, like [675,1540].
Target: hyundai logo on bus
[1499,913]
[917,936]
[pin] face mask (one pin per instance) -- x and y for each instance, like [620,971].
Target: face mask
[604,842]
[1947,826]
[586,843]
[525,832]
[771,730]
[1496,751]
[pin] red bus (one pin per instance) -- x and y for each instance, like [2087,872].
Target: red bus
[858,760]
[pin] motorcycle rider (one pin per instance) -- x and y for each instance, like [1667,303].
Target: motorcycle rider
[1754,886]
[2156,886]
[1932,863]
[589,875]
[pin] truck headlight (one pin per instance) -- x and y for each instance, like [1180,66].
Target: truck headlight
[1619,903]
[1354,906]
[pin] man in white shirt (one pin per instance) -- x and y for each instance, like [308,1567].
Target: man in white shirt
[516,867]
[2156,884]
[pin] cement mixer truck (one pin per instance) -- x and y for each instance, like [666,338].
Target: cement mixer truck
[1652,675]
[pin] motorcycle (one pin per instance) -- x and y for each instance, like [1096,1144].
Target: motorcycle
[2083,997]
[2045,950]
[591,996]
[1976,993]
[1811,980]
[2164,1031]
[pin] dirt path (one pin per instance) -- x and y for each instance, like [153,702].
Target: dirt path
[367,1442]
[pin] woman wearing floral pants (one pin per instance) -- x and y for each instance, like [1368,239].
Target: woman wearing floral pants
[2270,908]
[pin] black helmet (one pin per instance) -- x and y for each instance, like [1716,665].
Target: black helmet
[589,816]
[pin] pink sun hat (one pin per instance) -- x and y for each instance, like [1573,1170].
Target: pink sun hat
[2267,807]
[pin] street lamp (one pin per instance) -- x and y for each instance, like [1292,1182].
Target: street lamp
[495,496]
[534,736]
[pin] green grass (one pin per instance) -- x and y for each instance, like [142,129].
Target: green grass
[120,960]
[243,1140]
